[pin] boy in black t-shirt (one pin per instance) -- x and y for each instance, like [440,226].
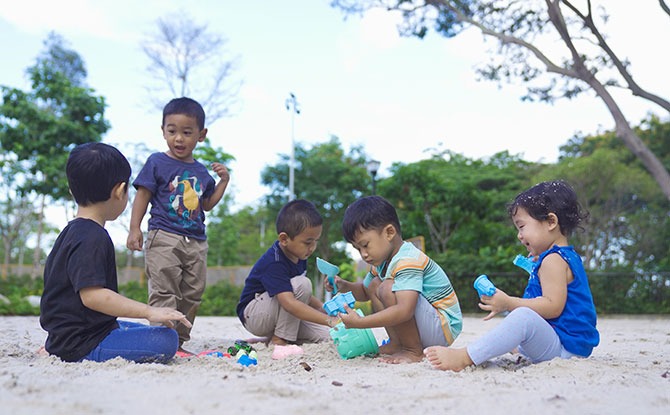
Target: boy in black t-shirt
[81,302]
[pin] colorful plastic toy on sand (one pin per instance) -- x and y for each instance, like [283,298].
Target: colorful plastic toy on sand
[524,263]
[329,270]
[246,358]
[353,342]
[484,286]
[336,304]
[213,353]
[240,345]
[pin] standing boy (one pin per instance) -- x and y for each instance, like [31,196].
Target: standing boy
[411,295]
[80,303]
[180,190]
[277,300]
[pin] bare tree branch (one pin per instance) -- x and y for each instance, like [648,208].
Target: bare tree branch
[664,6]
[623,70]
[515,23]
[185,59]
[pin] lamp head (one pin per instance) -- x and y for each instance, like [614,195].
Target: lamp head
[373,167]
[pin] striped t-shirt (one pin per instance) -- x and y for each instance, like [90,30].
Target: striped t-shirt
[411,269]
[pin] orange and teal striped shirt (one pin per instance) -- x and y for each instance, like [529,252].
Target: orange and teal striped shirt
[411,269]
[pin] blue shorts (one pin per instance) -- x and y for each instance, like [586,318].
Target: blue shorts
[137,342]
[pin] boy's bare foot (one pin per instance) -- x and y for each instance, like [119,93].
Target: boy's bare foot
[277,341]
[405,356]
[253,340]
[447,358]
[389,348]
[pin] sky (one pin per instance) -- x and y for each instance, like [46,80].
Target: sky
[354,78]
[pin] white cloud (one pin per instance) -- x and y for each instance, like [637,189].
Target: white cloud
[379,29]
[72,16]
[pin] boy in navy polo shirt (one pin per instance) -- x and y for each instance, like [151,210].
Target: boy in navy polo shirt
[277,301]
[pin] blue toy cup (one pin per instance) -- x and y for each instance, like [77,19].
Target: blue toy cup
[484,286]
[353,342]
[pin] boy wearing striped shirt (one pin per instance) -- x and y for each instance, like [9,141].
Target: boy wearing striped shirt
[411,295]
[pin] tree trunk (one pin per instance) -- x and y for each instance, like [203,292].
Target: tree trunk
[37,257]
[5,263]
[649,159]
[624,131]
[22,255]
[129,264]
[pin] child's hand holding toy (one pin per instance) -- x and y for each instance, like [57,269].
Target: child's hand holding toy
[350,318]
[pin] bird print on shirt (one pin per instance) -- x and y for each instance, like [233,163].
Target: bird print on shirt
[184,202]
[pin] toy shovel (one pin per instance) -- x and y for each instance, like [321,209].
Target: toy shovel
[329,270]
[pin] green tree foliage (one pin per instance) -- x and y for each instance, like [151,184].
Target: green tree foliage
[15,290]
[625,242]
[655,133]
[17,216]
[329,178]
[221,231]
[206,153]
[220,299]
[459,206]
[555,47]
[222,236]
[41,126]
[616,195]
[239,238]
[628,226]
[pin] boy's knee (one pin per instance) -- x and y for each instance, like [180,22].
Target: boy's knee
[302,288]
[371,289]
[385,293]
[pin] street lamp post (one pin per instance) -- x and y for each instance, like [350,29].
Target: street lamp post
[373,168]
[292,105]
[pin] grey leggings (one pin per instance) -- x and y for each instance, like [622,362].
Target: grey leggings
[522,328]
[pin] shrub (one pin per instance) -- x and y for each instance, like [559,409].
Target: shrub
[16,289]
[135,291]
[613,293]
[220,299]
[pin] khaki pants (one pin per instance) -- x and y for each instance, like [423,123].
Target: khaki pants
[176,269]
[264,316]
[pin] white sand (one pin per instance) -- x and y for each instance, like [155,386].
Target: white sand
[629,373]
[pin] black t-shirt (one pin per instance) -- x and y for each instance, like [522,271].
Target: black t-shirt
[82,256]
